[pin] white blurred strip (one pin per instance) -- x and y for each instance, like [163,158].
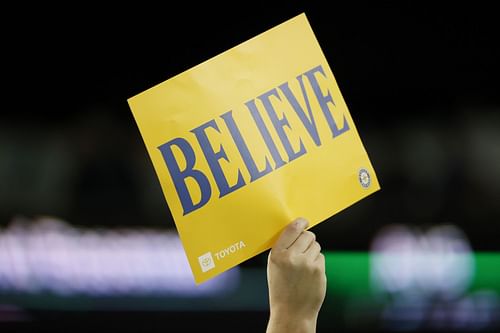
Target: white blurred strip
[50,255]
[438,261]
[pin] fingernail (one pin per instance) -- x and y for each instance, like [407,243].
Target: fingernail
[301,223]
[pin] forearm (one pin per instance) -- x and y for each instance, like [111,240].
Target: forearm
[285,323]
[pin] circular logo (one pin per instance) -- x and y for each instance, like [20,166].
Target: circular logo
[364,178]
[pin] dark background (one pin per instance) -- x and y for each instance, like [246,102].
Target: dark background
[421,83]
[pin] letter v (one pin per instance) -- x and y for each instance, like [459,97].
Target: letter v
[308,122]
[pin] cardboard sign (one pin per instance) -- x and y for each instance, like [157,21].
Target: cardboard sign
[249,140]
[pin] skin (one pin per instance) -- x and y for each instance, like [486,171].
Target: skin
[296,280]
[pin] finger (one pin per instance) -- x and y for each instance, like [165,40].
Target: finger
[291,233]
[321,265]
[313,251]
[321,260]
[302,243]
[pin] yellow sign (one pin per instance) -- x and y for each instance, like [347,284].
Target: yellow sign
[247,141]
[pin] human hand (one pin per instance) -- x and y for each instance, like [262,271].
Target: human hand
[296,280]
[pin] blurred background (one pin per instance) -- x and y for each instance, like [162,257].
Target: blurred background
[87,241]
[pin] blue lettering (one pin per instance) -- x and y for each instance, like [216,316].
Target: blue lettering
[255,173]
[309,123]
[213,158]
[179,176]
[324,100]
[265,134]
[279,125]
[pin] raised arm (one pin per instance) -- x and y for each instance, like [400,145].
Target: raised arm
[296,280]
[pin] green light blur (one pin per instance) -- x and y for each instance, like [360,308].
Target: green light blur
[348,273]
[487,275]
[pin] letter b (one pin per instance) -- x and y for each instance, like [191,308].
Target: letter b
[179,176]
